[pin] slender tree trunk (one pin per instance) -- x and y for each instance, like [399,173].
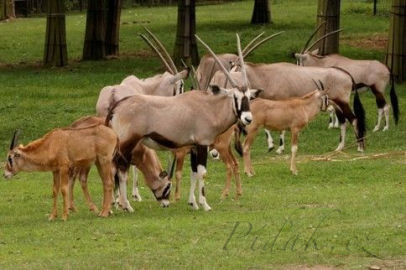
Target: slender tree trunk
[7,9]
[261,13]
[328,11]
[94,47]
[185,45]
[55,52]
[113,27]
[396,51]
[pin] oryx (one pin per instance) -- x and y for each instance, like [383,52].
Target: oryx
[366,73]
[194,118]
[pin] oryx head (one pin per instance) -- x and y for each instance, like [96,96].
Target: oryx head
[240,94]
[14,160]
[164,185]
[307,57]
[322,94]
[176,80]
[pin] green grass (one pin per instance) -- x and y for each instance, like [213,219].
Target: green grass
[349,214]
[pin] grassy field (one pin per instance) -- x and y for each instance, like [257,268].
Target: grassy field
[344,214]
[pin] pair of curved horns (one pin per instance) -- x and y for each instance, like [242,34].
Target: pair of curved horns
[320,85]
[163,54]
[307,48]
[14,140]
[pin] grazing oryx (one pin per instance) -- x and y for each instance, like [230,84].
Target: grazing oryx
[293,114]
[62,149]
[366,73]
[144,158]
[169,83]
[194,118]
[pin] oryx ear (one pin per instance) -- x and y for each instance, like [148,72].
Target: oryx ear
[254,93]
[163,174]
[216,90]
[315,52]
[180,76]
[295,55]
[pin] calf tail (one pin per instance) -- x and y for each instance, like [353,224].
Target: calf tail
[360,114]
[394,99]
[237,138]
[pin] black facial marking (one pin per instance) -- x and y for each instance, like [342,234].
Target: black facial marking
[215,89]
[10,160]
[162,140]
[245,104]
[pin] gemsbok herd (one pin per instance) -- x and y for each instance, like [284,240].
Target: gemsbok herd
[231,98]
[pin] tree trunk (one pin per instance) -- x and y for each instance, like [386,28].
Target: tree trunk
[113,27]
[261,13]
[396,51]
[328,11]
[55,52]
[185,45]
[7,9]
[94,47]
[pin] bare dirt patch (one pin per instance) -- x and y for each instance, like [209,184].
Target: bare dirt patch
[375,42]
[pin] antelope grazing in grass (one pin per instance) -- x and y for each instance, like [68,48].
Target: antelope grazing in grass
[144,158]
[62,149]
[293,114]
[194,118]
[366,73]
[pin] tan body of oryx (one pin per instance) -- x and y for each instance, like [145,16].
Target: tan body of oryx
[194,118]
[144,158]
[366,73]
[165,84]
[62,149]
[292,114]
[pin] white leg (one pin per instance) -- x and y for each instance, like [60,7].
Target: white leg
[386,110]
[214,154]
[360,143]
[136,194]
[378,122]
[269,140]
[331,120]
[335,120]
[343,129]
[281,147]
[125,204]
[192,198]
[201,171]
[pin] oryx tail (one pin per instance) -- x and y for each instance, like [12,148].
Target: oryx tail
[394,99]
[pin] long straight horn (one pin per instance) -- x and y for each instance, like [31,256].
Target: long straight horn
[14,139]
[245,54]
[168,68]
[241,59]
[225,71]
[321,38]
[169,59]
[312,36]
[252,42]
[321,85]
[171,166]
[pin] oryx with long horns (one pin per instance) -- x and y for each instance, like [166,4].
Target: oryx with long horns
[366,73]
[194,118]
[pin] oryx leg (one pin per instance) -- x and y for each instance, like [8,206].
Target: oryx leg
[349,115]
[269,140]
[383,109]
[180,159]
[343,130]
[104,168]
[135,193]
[281,147]
[294,139]
[73,173]
[198,158]
[64,183]
[247,151]
[55,192]
[123,180]
[83,174]
[333,120]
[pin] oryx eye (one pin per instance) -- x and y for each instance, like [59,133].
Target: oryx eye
[10,160]
[17,155]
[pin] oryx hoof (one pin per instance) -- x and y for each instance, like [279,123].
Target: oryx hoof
[73,208]
[270,148]
[376,128]
[64,217]
[137,198]
[249,174]
[385,128]
[105,214]
[206,207]
[94,209]
[52,217]
[194,206]
[224,195]
[280,151]
[294,171]
[128,209]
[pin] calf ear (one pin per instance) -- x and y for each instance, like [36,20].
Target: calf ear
[315,52]
[254,93]
[163,174]
[215,90]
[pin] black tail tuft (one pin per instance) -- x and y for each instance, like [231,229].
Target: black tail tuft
[394,100]
[360,114]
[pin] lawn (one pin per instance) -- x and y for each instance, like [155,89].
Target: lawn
[346,212]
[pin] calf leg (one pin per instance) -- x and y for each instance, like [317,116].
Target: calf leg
[104,168]
[236,172]
[136,194]
[83,175]
[180,158]
[247,151]
[269,140]
[281,147]
[225,157]
[55,191]
[73,173]
[64,178]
